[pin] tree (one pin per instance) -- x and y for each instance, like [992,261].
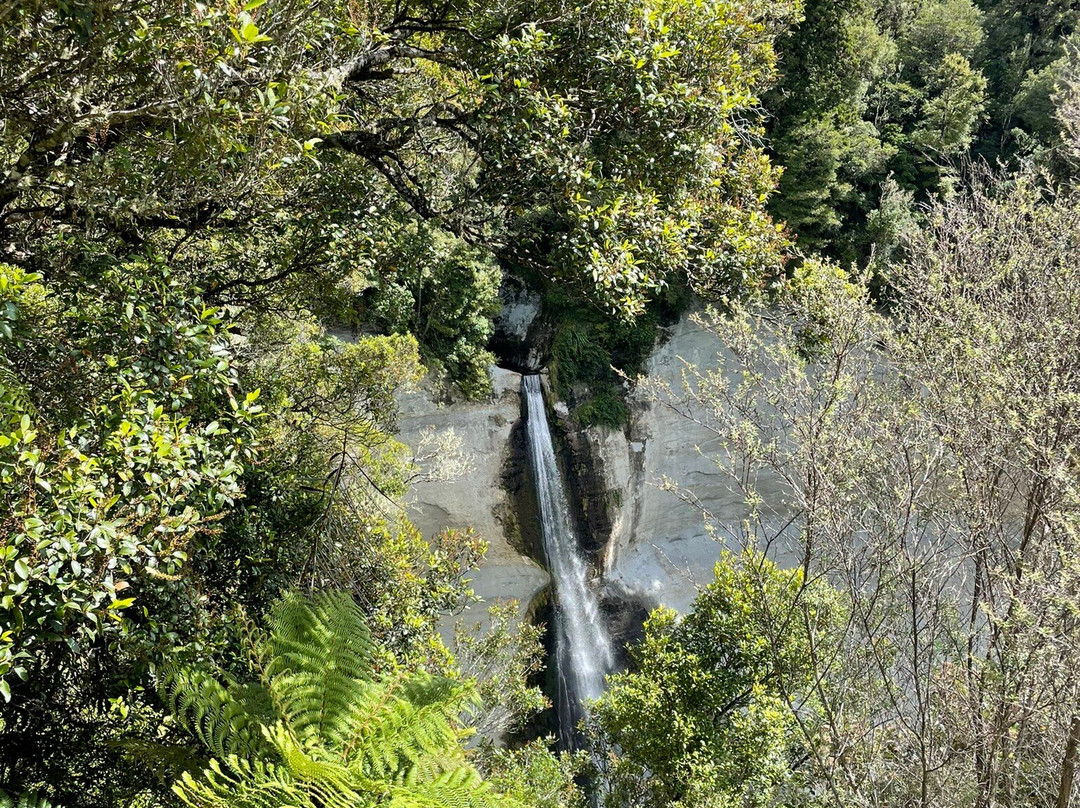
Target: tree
[950,117]
[191,196]
[271,143]
[941,28]
[320,477]
[826,160]
[108,491]
[322,726]
[1025,39]
[502,659]
[436,286]
[630,111]
[710,714]
[872,91]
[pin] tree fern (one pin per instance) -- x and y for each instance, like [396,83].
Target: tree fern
[321,651]
[321,729]
[226,718]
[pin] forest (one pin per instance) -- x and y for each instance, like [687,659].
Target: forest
[233,233]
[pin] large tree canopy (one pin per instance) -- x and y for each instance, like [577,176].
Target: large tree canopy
[877,95]
[612,144]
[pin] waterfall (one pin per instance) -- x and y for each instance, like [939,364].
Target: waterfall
[583,651]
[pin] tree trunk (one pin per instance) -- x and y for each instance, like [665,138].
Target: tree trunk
[1069,764]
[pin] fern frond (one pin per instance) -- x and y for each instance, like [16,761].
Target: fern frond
[320,667]
[227,719]
[330,733]
[309,764]
[414,730]
[459,788]
[27,799]
[242,784]
[167,762]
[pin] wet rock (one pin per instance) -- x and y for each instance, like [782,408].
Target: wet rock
[624,616]
[522,337]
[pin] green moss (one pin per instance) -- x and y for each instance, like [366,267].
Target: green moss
[590,348]
[602,408]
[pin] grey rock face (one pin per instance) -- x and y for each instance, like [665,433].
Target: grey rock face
[522,336]
[658,552]
[470,493]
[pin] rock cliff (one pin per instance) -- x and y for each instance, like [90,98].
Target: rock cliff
[659,550]
[654,549]
[476,494]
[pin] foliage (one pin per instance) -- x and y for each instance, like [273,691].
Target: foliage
[604,407]
[435,286]
[277,168]
[338,476]
[94,707]
[950,115]
[909,92]
[193,197]
[591,353]
[534,775]
[710,716]
[826,157]
[924,461]
[108,492]
[646,115]
[320,499]
[502,659]
[1027,38]
[25,800]
[283,144]
[322,726]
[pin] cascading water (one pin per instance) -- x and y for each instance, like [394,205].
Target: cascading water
[583,650]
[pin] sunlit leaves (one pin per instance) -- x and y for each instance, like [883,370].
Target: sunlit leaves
[704,718]
[642,122]
[106,490]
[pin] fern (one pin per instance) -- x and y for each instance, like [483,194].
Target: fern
[225,718]
[26,800]
[413,731]
[321,651]
[321,729]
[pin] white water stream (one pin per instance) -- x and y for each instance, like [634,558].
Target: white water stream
[583,650]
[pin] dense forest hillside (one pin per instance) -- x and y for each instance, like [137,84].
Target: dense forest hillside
[882,104]
[211,593]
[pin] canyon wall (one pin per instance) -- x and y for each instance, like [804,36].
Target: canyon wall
[659,549]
